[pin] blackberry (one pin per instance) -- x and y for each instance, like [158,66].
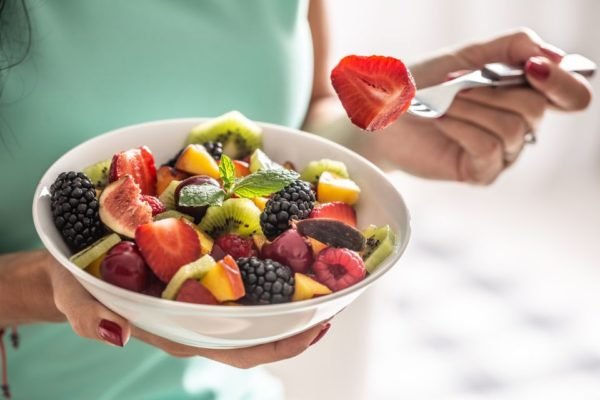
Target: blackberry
[295,201]
[215,149]
[75,210]
[266,281]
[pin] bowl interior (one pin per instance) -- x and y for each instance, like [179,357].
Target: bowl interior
[380,202]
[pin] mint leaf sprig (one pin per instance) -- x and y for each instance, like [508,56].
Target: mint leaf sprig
[259,183]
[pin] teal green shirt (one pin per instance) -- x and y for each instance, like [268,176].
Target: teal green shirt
[98,65]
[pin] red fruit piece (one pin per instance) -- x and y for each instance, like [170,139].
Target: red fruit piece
[124,266]
[167,245]
[338,268]
[374,90]
[139,163]
[154,203]
[290,249]
[236,246]
[193,291]
[335,210]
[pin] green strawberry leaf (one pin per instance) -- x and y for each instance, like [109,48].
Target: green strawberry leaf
[264,182]
[227,172]
[201,195]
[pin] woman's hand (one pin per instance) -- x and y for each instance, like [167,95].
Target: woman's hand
[92,320]
[35,288]
[484,130]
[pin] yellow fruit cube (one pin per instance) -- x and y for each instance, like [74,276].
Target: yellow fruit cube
[196,160]
[307,288]
[333,188]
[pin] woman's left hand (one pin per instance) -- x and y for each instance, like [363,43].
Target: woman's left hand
[484,130]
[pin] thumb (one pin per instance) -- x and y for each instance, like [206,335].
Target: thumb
[514,49]
[88,318]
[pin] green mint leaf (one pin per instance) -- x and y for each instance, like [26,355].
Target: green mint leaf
[227,171]
[201,195]
[264,182]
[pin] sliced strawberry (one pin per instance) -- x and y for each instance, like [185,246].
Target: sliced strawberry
[338,268]
[154,203]
[167,245]
[374,90]
[236,246]
[193,291]
[335,210]
[139,163]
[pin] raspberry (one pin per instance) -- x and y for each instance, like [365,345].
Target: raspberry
[266,281]
[156,205]
[338,268]
[236,246]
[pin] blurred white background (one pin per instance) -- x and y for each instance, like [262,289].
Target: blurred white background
[498,295]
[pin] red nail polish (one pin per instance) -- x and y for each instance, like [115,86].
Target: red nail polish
[110,332]
[553,53]
[321,334]
[537,69]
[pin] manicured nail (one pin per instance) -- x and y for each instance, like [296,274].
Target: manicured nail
[552,52]
[110,332]
[321,334]
[536,68]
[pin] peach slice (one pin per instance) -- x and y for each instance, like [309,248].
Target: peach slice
[165,175]
[241,168]
[334,188]
[224,280]
[196,160]
[261,202]
[307,288]
[206,242]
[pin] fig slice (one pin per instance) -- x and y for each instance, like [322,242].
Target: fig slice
[332,232]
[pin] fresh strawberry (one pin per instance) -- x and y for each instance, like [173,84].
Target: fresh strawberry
[242,168]
[156,205]
[338,268]
[335,210]
[374,90]
[236,246]
[193,291]
[139,163]
[167,245]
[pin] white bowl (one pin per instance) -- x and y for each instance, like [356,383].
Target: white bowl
[225,326]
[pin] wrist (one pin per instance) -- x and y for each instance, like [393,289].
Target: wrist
[26,294]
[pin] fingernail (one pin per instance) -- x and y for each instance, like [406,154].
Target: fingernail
[536,68]
[552,52]
[321,334]
[110,332]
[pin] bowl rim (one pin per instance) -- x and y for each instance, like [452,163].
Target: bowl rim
[218,310]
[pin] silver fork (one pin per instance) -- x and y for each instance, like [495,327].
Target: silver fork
[434,101]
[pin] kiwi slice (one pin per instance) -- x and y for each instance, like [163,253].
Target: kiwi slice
[86,256]
[98,173]
[194,270]
[259,161]
[173,214]
[167,197]
[314,169]
[380,244]
[239,136]
[237,215]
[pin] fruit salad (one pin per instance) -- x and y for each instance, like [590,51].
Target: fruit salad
[221,223]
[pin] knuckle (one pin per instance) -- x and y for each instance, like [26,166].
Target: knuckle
[491,149]
[524,33]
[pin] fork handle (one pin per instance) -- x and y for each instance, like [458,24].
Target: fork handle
[506,75]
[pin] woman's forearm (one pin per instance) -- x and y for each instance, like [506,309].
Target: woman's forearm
[26,290]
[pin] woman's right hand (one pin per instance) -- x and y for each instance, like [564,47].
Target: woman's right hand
[90,319]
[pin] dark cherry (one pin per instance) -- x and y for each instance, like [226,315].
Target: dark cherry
[125,267]
[290,249]
[196,212]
